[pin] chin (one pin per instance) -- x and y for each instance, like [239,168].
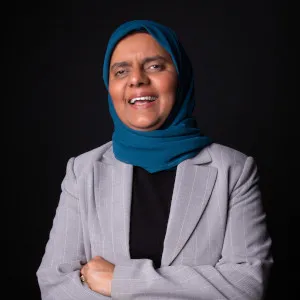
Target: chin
[145,126]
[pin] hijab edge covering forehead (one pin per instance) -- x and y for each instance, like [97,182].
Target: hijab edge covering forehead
[179,138]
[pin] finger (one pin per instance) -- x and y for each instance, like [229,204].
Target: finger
[83,271]
[98,257]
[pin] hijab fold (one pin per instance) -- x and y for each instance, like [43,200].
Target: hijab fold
[179,138]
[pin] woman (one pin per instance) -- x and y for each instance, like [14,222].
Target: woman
[160,212]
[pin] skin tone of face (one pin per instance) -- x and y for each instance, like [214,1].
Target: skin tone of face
[140,67]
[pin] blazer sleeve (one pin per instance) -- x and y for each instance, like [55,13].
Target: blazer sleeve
[241,273]
[59,271]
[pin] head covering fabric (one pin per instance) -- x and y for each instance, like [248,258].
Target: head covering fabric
[179,138]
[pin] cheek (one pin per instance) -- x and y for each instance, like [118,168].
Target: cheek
[167,88]
[116,93]
[168,84]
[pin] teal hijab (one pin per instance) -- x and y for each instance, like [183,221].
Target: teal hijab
[179,138]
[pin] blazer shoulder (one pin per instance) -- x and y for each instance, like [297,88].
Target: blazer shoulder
[231,162]
[225,155]
[85,161]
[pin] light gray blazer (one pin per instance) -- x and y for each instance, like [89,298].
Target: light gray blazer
[216,244]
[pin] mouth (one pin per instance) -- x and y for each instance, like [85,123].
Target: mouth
[142,100]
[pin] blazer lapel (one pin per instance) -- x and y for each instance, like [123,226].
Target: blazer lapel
[115,196]
[192,189]
[193,185]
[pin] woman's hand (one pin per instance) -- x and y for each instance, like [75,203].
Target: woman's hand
[98,274]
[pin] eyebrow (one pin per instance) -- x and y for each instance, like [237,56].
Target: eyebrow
[145,60]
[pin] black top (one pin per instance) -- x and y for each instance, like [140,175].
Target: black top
[150,207]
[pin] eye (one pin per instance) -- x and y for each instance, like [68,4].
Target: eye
[156,67]
[120,73]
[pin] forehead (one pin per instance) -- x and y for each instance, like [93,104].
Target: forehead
[137,45]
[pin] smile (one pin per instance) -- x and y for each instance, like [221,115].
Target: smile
[142,99]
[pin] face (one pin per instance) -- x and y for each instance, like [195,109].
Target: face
[142,82]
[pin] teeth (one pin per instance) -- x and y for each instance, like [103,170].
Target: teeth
[147,98]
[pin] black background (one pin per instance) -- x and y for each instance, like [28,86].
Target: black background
[58,104]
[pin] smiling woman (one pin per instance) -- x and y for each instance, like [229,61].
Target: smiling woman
[161,211]
[142,82]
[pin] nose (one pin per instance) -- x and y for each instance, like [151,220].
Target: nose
[138,78]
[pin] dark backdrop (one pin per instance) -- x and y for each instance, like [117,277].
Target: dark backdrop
[59,104]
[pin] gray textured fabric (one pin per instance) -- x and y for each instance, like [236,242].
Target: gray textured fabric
[216,245]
